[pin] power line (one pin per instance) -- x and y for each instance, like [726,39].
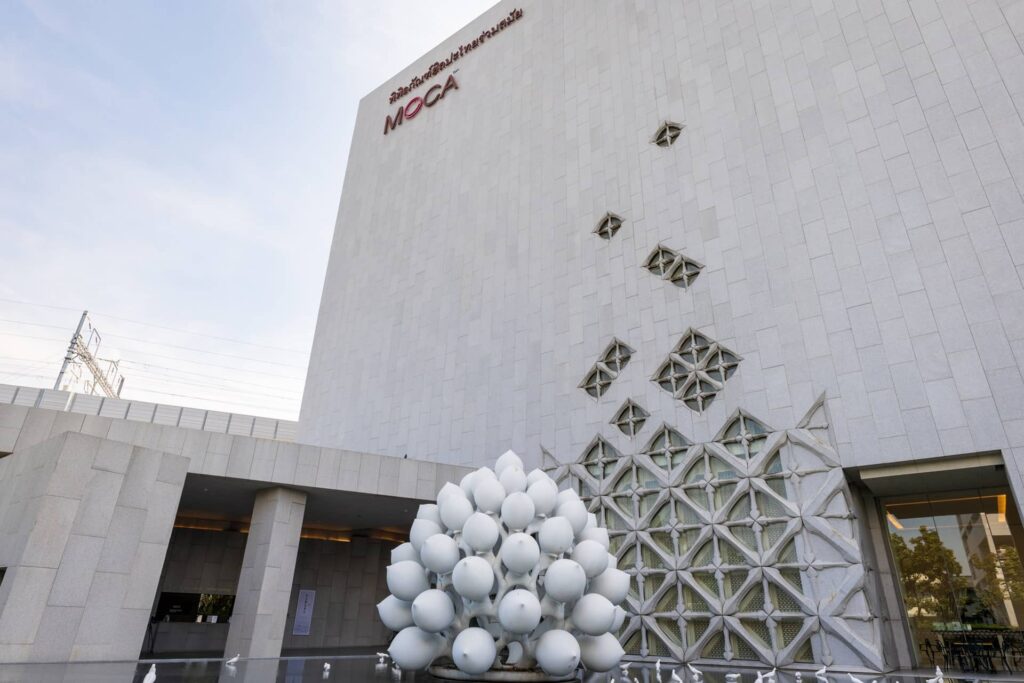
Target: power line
[147,341]
[212,353]
[175,381]
[25,322]
[201,398]
[29,336]
[174,358]
[200,334]
[30,303]
[159,327]
[30,360]
[203,375]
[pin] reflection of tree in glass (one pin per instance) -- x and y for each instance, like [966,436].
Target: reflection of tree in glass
[932,586]
[220,605]
[994,591]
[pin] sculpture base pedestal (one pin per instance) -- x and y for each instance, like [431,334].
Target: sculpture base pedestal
[503,675]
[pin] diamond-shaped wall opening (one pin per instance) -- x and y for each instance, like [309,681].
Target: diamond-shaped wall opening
[757,630]
[664,542]
[745,535]
[632,644]
[667,134]
[656,647]
[695,629]
[772,533]
[696,370]
[742,650]
[707,581]
[792,578]
[753,600]
[628,558]
[670,629]
[667,448]
[663,517]
[734,581]
[787,630]
[697,472]
[694,601]
[705,557]
[770,506]
[686,515]
[647,502]
[617,356]
[740,510]
[669,601]
[698,393]
[720,365]
[714,648]
[745,436]
[693,347]
[730,554]
[615,542]
[687,537]
[608,226]
[788,554]
[782,601]
[722,494]
[804,654]
[683,272]
[773,465]
[596,382]
[672,376]
[651,559]
[630,418]
[660,261]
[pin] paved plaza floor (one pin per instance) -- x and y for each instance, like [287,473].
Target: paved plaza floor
[364,669]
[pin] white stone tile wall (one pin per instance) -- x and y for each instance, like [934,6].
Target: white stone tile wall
[850,174]
[84,526]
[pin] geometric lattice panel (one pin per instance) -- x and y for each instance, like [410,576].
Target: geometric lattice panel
[696,370]
[742,549]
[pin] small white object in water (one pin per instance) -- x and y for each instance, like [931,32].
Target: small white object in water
[854,679]
[150,675]
[381,656]
[233,660]
[732,678]
[939,677]
[799,678]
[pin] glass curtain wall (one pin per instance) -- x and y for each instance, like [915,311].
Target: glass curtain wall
[957,556]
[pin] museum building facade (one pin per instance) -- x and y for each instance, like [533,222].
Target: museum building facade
[747,276]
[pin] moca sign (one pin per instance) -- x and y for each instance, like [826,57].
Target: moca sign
[414,106]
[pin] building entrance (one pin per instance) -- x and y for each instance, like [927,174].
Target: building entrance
[956,559]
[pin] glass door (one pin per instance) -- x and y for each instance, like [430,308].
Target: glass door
[960,577]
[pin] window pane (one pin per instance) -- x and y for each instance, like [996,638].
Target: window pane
[960,572]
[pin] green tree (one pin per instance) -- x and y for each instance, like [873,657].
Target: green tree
[1002,578]
[930,575]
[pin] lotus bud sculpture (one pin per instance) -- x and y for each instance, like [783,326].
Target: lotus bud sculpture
[505,578]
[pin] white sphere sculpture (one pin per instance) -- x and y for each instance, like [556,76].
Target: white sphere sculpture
[505,561]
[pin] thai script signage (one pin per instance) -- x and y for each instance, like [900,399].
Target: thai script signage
[437,67]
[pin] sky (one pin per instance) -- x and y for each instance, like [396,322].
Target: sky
[175,168]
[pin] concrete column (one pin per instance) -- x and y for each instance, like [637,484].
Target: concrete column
[84,527]
[268,566]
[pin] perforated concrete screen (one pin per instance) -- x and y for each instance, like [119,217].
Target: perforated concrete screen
[743,548]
